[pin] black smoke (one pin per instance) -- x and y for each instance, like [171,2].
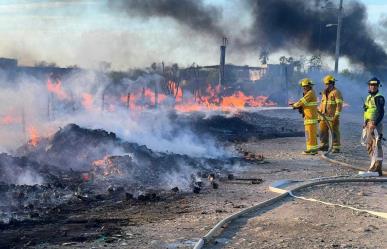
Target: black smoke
[193,14]
[381,31]
[301,24]
[277,25]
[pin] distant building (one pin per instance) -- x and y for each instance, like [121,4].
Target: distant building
[8,64]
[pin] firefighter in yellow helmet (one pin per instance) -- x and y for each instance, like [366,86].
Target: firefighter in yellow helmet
[373,117]
[330,106]
[308,105]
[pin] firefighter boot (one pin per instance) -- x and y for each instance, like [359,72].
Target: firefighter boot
[309,152]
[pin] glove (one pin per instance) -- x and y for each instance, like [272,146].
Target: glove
[365,108]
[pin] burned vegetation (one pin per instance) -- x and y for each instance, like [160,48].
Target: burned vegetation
[76,170]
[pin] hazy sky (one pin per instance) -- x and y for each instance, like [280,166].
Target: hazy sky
[76,32]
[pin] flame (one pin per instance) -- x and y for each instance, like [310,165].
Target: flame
[9,119]
[56,88]
[87,101]
[33,136]
[147,97]
[237,100]
[212,98]
[212,101]
[106,166]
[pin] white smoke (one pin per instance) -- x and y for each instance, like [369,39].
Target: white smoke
[29,177]
[31,103]
[181,179]
[29,111]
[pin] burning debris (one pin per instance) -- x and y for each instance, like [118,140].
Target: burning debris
[79,164]
[105,155]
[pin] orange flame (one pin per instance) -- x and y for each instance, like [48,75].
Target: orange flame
[33,136]
[213,101]
[211,98]
[56,88]
[9,119]
[87,101]
[106,166]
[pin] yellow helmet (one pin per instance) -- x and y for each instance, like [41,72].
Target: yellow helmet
[329,79]
[306,82]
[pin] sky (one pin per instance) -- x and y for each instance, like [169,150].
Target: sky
[86,32]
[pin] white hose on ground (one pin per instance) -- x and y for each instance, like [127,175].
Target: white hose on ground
[285,193]
[376,213]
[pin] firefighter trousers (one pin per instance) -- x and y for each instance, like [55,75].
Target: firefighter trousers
[311,136]
[374,148]
[324,134]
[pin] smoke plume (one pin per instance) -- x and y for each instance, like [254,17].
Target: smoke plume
[381,31]
[192,14]
[301,24]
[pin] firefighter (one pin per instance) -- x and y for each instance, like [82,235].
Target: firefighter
[308,105]
[330,106]
[373,116]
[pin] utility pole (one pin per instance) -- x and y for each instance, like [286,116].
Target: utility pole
[222,61]
[286,100]
[337,52]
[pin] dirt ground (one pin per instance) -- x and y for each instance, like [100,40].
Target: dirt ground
[179,221]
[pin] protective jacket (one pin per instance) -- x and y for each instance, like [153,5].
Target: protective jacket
[374,108]
[309,105]
[331,103]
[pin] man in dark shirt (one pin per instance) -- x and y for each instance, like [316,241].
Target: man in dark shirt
[373,116]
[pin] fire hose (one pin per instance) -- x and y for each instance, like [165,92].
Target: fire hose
[283,193]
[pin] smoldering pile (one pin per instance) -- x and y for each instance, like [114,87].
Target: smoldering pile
[104,157]
[29,188]
[90,165]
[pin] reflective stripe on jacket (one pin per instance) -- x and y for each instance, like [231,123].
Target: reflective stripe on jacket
[331,103]
[309,105]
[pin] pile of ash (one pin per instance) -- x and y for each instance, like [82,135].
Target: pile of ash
[89,165]
[79,164]
[105,156]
